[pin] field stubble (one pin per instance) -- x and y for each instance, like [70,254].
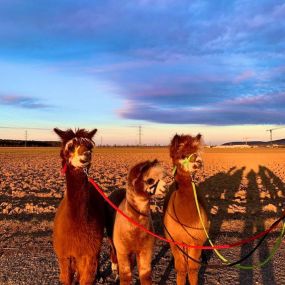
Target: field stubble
[244,191]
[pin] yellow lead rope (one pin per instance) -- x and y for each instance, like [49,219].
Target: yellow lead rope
[262,263]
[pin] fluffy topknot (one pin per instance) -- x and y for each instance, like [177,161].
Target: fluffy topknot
[184,144]
[140,168]
[69,134]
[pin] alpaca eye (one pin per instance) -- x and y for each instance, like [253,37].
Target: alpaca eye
[193,157]
[150,181]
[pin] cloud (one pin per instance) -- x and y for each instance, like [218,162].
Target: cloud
[171,61]
[22,102]
[61,30]
[260,109]
[246,75]
[213,94]
[264,101]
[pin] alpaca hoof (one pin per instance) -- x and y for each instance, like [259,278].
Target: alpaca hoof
[114,267]
[115,272]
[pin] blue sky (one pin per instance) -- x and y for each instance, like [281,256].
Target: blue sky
[217,67]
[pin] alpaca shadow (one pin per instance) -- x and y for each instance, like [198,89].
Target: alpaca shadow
[274,202]
[219,192]
[251,226]
[275,186]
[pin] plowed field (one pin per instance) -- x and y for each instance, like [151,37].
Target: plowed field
[244,190]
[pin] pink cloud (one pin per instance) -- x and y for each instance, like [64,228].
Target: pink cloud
[22,102]
[246,75]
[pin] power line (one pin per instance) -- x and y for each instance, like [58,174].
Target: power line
[139,133]
[24,128]
[26,131]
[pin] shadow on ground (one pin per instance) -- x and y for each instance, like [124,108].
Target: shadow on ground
[230,201]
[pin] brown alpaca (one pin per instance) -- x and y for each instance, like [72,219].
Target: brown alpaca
[144,180]
[180,214]
[79,221]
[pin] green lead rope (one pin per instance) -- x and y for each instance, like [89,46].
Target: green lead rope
[185,162]
[249,267]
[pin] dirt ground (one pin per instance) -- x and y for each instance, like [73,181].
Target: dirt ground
[244,190]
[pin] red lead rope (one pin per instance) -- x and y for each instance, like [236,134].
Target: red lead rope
[181,244]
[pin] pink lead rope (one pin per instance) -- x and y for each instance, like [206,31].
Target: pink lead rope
[225,246]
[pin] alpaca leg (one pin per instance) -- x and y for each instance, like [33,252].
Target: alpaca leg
[66,272]
[193,267]
[87,267]
[144,266]
[180,266]
[114,259]
[125,272]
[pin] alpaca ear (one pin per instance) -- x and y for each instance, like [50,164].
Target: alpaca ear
[92,133]
[144,167]
[154,162]
[175,141]
[134,182]
[59,132]
[136,177]
[174,145]
[198,140]
[198,137]
[140,172]
[148,164]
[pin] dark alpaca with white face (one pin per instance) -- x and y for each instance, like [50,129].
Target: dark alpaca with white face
[181,217]
[76,147]
[80,218]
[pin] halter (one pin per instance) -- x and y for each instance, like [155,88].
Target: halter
[185,162]
[64,169]
[153,188]
[152,192]
[136,210]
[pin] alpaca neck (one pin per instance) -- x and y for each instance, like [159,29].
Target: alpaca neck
[184,182]
[77,192]
[184,199]
[139,203]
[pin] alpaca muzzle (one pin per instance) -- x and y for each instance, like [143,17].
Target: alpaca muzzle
[191,163]
[80,160]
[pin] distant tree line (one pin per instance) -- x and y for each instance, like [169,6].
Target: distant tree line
[21,143]
[280,142]
[30,143]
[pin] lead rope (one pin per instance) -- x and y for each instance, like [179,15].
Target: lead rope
[238,265]
[181,244]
